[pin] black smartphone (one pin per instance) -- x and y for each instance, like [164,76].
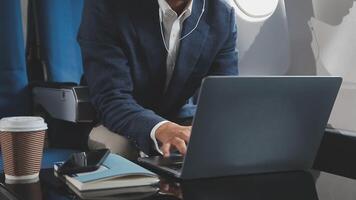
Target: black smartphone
[83,162]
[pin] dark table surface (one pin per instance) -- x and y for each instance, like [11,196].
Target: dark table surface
[311,185]
[335,180]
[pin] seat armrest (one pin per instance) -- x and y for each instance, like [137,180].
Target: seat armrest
[54,85]
[63,101]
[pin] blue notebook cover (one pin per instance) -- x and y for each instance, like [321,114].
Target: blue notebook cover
[114,166]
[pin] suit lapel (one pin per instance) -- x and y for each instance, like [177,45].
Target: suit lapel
[146,22]
[189,52]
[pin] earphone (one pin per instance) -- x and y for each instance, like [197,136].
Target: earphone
[186,35]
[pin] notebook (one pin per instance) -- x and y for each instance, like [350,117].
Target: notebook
[116,172]
[129,193]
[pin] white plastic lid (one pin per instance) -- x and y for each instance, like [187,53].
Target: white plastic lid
[22,124]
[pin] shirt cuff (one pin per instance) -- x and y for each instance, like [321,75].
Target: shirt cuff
[153,136]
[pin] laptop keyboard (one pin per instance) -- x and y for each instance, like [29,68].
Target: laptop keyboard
[175,167]
[174,162]
[171,164]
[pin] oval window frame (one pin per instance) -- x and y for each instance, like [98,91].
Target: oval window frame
[256,15]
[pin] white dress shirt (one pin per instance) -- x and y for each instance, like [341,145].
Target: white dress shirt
[172,28]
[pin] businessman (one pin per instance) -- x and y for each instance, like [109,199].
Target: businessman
[144,59]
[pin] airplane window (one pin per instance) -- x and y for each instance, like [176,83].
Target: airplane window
[257,8]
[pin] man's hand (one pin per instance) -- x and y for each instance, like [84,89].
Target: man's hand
[172,135]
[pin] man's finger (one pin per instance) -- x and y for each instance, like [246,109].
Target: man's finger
[189,133]
[185,135]
[166,148]
[180,145]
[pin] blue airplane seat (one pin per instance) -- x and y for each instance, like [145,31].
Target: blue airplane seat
[14,95]
[54,155]
[57,22]
[15,99]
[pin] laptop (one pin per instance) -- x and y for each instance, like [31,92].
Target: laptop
[251,125]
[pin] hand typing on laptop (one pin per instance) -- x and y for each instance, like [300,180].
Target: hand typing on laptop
[173,136]
[246,128]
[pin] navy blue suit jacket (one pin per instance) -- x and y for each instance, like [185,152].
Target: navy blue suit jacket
[125,61]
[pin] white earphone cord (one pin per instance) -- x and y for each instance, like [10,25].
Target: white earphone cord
[186,35]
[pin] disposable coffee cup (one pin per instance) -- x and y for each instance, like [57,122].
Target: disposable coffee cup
[22,141]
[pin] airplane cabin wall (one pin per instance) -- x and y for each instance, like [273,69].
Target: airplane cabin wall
[323,42]
[263,43]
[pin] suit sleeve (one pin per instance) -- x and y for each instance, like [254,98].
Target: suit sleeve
[107,71]
[226,61]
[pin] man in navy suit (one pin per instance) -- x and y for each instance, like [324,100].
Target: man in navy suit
[144,59]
